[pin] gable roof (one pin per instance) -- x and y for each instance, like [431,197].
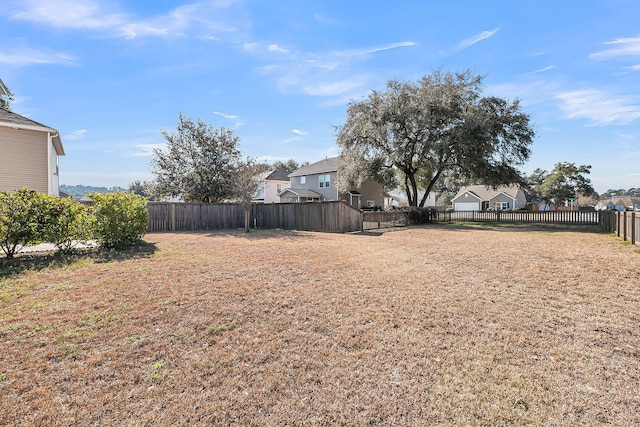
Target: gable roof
[301,192]
[487,193]
[329,164]
[274,175]
[12,120]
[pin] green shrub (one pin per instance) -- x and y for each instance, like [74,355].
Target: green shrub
[119,218]
[416,215]
[23,218]
[67,224]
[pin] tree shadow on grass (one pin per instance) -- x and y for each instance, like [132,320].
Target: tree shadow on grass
[37,261]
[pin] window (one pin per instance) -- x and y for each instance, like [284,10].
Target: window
[502,206]
[303,180]
[371,203]
[325,181]
[278,188]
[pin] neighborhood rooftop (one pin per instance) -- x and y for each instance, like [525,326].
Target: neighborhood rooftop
[485,193]
[329,164]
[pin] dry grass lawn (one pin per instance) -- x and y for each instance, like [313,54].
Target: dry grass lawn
[436,325]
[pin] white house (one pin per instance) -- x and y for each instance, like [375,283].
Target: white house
[271,183]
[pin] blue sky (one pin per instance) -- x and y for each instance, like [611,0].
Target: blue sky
[110,75]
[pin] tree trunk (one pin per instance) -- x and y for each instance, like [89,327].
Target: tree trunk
[247,218]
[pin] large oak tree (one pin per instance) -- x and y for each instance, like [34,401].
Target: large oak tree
[420,130]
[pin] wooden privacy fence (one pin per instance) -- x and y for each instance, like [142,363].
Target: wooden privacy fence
[624,224]
[335,217]
[332,217]
[383,219]
[550,217]
[194,216]
[339,217]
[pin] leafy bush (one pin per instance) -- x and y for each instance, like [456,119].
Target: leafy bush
[67,224]
[416,215]
[119,219]
[23,218]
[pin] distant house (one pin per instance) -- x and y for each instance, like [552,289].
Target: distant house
[29,153]
[619,204]
[398,198]
[271,182]
[481,198]
[318,182]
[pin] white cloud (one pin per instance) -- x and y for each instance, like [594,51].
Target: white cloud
[226,116]
[370,50]
[276,48]
[203,18]
[333,88]
[289,140]
[542,70]
[66,13]
[599,107]
[300,132]
[477,38]
[27,57]
[146,150]
[321,19]
[75,135]
[629,46]
[238,123]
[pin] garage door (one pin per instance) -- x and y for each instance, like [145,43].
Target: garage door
[467,207]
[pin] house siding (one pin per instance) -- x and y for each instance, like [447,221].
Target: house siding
[369,190]
[312,182]
[271,190]
[30,150]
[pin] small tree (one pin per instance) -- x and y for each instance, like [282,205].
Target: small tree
[247,185]
[198,163]
[23,215]
[565,181]
[120,219]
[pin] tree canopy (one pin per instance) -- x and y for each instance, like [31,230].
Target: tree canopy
[565,181]
[290,165]
[440,123]
[198,164]
[6,96]
[621,192]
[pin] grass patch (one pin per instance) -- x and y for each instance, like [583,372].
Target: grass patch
[456,324]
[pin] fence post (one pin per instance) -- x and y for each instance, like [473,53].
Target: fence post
[633,228]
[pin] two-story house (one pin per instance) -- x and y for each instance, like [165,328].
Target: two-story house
[319,182]
[29,153]
[270,184]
